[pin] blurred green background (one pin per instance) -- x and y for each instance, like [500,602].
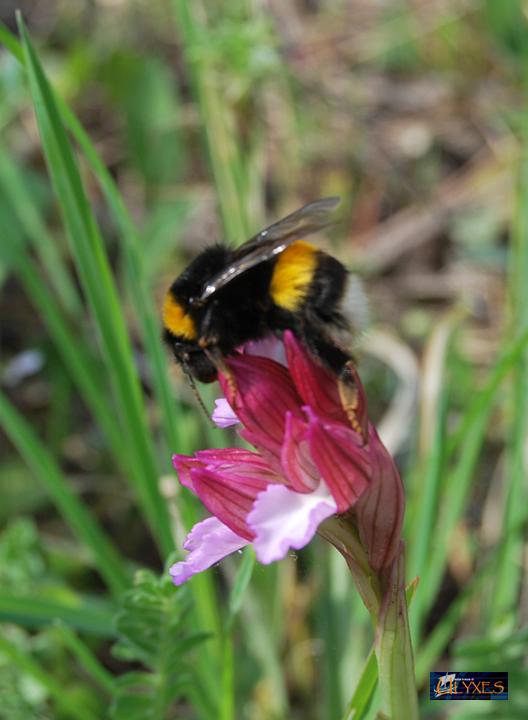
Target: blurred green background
[133,133]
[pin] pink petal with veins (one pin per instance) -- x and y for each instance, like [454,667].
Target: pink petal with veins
[316,385]
[229,490]
[264,395]
[183,464]
[299,469]
[380,509]
[344,464]
[283,519]
[208,542]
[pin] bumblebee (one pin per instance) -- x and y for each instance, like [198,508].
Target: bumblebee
[273,282]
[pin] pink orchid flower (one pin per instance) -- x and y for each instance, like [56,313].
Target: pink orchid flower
[308,465]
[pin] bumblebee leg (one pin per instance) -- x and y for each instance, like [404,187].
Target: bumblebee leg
[342,365]
[216,356]
[349,396]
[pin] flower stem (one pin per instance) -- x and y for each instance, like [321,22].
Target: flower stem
[394,649]
[383,593]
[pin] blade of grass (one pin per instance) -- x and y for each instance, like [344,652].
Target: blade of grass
[263,646]
[64,700]
[13,189]
[339,617]
[503,607]
[236,596]
[425,509]
[10,43]
[107,560]
[75,355]
[458,481]
[426,490]
[433,647]
[139,293]
[220,142]
[95,275]
[91,618]
[202,587]
[365,688]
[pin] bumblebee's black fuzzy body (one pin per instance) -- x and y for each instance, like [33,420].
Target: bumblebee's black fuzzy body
[244,310]
[226,298]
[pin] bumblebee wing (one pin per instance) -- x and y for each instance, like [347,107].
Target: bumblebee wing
[274,240]
[308,219]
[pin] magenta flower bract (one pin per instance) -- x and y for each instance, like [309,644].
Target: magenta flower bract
[308,464]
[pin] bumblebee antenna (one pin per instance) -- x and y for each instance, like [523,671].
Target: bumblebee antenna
[196,392]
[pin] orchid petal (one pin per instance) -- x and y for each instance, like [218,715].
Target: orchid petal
[380,509]
[229,493]
[223,415]
[183,464]
[270,347]
[298,466]
[316,385]
[231,458]
[282,519]
[208,542]
[343,462]
[264,394]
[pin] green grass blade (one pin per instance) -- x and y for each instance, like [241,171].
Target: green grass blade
[106,558]
[367,681]
[236,596]
[10,42]
[76,356]
[425,509]
[92,618]
[427,488]
[433,647]
[94,271]
[203,586]
[509,569]
[458,481]
[222,151]
[364,690]
[240,585]
[13,190]
[139,294]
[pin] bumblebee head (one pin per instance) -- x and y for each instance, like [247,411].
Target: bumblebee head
[192,359]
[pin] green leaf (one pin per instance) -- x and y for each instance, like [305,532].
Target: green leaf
[364,689]
[87,616]
[153,629]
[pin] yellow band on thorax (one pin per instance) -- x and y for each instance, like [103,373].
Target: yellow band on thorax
[176,320]
[292,275]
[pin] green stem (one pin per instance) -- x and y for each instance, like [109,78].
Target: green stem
[394,649]
[384,595]
[340,531]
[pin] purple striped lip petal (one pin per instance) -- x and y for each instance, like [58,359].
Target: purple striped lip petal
[308,464]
